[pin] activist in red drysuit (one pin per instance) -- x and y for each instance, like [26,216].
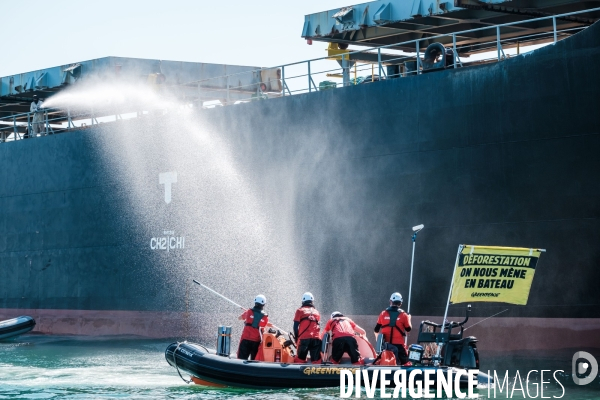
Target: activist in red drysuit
[307,330]
[393,323]
[254,319]
[343,341]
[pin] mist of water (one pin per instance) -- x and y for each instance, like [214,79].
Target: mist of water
[233,242]
[277,214]
[96,93]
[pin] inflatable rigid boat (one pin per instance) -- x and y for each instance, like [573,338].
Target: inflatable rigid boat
[16,326]
[275,367]
[207,368]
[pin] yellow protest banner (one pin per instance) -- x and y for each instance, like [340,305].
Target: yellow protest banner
[494,274]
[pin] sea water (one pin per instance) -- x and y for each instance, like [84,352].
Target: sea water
[70,367]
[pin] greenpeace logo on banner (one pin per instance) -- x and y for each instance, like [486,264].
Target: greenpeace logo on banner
[475,294]
[168,242]
[394,384]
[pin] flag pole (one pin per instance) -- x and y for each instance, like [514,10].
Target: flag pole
[439,349]
[416,229]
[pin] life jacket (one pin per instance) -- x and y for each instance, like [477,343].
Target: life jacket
[311,318]
[258,315]
[337,321]
[394,313]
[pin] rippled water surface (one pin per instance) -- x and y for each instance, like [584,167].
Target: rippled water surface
[51,367]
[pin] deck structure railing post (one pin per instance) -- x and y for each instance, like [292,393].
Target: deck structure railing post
[418,57]
[454,53]
[46,123]
[345,71]
[283,80]
[499,45]
[309,77]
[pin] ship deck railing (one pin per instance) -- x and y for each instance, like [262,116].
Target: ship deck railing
[56,120]
[492,43]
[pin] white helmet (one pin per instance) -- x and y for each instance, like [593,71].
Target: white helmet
[307,297]
[396,297]
[335,314]
[260,299]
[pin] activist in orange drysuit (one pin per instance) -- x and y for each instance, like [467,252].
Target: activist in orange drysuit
[307,330]
[254,319]
[343,330]
[393,323]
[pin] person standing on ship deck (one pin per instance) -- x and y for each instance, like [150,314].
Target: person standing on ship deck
[254,319]
[38,116]
[307,330]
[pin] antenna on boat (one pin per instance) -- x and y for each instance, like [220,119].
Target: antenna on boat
[416,229]
[483,320]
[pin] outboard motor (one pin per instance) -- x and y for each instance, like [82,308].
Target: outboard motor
[224,341]
[462,353]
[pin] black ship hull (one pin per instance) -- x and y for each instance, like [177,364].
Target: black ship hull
[499,154]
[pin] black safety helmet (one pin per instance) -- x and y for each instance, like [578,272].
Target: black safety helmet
[35,97]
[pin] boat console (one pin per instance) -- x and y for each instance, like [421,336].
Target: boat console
[456,351]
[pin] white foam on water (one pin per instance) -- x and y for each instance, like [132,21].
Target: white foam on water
[107,376]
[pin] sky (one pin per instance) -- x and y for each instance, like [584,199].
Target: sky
[263,33]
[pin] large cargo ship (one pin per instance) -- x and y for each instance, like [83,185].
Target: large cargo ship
[104,223]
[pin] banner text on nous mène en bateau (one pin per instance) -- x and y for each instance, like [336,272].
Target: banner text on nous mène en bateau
[494,274]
